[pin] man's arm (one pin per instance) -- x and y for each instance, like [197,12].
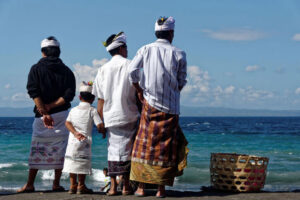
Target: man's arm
[139,91]
[182,71]
[100,105]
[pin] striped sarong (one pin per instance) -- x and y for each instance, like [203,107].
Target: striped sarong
[159,148]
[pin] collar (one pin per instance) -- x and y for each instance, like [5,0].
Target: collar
[84,104]
[163,41]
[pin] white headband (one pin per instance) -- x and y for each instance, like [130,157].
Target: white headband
[49,43]
[168,25]
[117,42]
[86,87]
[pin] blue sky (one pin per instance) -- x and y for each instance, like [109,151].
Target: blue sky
[241,54]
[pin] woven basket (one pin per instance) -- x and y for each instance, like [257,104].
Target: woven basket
[237,173]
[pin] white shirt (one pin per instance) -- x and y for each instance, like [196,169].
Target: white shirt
[82,118]
[164,72]
[113,86]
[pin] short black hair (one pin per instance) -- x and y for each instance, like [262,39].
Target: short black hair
[163,34]
[116,50]
[87,96]
[51,51]
[105,169]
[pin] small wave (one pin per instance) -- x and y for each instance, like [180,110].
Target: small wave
[97,175]
[8,189]
[192,124]
[49,175]
[206,123]
[6,165]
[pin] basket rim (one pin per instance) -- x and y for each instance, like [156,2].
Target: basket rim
[237,154]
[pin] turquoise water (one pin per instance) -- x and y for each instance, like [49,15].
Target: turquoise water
[276,138]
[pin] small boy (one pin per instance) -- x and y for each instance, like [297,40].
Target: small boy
[107,182]
[78,154]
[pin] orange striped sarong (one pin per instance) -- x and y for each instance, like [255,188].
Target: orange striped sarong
[159,151]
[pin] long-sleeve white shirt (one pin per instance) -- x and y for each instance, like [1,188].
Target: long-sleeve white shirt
[113,86]
[162,76]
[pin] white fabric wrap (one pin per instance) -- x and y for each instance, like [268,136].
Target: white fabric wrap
[167,26]
[85,88]
[119,41]
[48,43]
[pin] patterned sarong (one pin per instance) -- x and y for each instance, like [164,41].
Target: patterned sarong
[159,152]
[48,146]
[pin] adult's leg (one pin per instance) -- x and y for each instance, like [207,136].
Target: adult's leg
[73,180]
[161,191]
[29,186]
[140,190]
[56,186]
[113,186]
[126,187]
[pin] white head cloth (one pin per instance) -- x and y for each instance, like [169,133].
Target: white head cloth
[117,41]
[49,43]
[86,87]
[168,25]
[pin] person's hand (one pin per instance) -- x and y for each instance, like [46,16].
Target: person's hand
[48,107]
[41,110]
[101,129]
[141,97]
[79,136]
[48,121]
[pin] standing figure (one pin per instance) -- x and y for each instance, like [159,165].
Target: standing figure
[118,109]
[158,72]
[79,150]
[51,85]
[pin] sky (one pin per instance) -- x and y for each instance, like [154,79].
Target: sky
[240,54]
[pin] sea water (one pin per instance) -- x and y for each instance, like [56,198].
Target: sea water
[275,137]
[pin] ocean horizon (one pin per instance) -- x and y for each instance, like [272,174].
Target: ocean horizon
[277,138]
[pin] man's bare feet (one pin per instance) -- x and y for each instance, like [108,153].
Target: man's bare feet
[26,189]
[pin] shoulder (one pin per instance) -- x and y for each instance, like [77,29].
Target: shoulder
[179,52]
[145,48]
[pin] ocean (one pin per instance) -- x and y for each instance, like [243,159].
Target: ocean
[275,137]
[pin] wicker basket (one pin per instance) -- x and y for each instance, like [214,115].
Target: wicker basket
[238,173]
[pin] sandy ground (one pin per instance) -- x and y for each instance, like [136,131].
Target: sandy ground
[210,195]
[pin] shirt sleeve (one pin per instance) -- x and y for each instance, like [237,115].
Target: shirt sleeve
[71,87]
[33,88]
[96,117]
[181,76]
[135,66]
[69,118]
[98,85]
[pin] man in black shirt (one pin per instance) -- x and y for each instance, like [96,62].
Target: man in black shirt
[51,85]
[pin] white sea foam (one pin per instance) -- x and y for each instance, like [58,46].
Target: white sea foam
[206,123]
[97,175]
[8,188]
[6,165]
[49,175]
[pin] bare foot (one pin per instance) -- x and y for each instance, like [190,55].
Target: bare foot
[140,192]
[26,189]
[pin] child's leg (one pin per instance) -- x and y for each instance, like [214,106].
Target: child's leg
[81,180]
[73,180]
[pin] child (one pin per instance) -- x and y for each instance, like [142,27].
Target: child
[107,183]
[78,154]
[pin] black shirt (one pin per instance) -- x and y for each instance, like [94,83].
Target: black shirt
[50,79]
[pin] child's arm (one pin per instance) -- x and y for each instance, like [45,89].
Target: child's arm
[71,128]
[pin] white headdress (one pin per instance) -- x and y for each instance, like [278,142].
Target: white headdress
[86,87]
[118,41]
[50,43]
[165,24]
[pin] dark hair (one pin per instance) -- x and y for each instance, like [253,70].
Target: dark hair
[116,50]
[163,34]
[105,169]
[87,96]
[51,51]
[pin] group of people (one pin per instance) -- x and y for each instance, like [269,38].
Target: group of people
[145,144]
